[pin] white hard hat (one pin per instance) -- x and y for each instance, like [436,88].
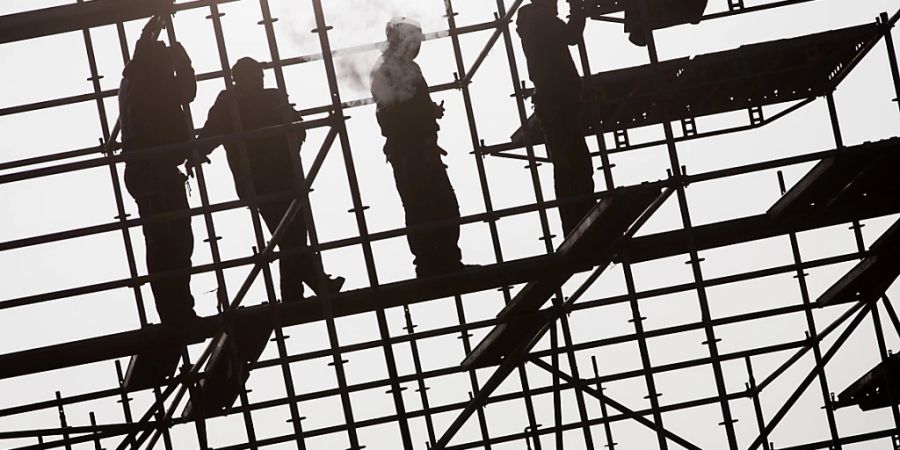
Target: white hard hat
[397,24]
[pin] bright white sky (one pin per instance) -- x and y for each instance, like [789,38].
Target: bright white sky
[56,66]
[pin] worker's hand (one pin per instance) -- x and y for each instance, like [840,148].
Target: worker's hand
[152,28]
[439,110]
[576,8]
[179,56]
[192,162]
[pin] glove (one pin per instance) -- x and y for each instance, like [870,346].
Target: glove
[192,162]
[152,28]
[439,110]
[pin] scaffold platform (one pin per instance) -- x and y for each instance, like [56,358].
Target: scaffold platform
[871,277]
[876,389]
[817,201]
[753,75]
[596,238]
[66,18]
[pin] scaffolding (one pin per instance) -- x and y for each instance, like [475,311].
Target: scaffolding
[534,332]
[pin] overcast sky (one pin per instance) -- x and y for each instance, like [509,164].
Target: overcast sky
[56,66]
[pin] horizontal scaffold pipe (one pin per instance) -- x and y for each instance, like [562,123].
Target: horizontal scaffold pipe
[217,74]
[83,15]
[294,313]
[689,179]
[169,149]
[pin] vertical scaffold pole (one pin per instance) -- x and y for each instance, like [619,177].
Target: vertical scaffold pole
[107,142]
[462,75]
[358,210]
[812,332]
[892,54]
[678,176]
[547,237]
[757,406]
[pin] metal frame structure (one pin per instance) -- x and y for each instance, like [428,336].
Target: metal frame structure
[140,429]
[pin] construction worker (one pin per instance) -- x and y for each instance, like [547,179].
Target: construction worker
[271,171]
[408,120]
[156,83]
[557,101]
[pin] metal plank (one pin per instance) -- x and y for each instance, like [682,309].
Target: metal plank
[348,303]
[869,391]
[852,176]
[748,229]
[869,279]
[596,235]
[228,369]
[752,75]
[150,368]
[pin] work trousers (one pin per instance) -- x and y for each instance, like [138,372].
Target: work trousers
[297,267]
[573,172]
[170,242]
[428,197]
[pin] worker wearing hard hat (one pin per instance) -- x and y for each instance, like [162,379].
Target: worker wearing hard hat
[155,85]
[408,119]
[271,170]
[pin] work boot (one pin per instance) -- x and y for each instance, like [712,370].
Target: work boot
[177,316]
[637,38]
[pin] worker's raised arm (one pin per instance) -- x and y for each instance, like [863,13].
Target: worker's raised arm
[578,11]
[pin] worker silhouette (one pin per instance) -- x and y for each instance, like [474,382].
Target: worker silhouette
[155,85]
[271,171]
[557,101]
[408,120]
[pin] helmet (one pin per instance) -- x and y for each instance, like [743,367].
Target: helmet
[246,68]
[400,28]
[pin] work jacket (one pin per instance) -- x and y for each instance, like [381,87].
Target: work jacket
[271,166]
[404,109]
[151,114]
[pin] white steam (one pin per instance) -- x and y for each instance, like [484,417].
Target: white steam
[394,81]
[355,22]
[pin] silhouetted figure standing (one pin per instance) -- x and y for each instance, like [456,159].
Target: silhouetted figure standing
[156,83]
[408,120]
[557,102]
[271,170]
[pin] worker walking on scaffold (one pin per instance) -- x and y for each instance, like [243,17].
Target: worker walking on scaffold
[271,171]
[408,119]
[558,102]
[156,83]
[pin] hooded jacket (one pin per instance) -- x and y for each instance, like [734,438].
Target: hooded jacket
[269,158]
